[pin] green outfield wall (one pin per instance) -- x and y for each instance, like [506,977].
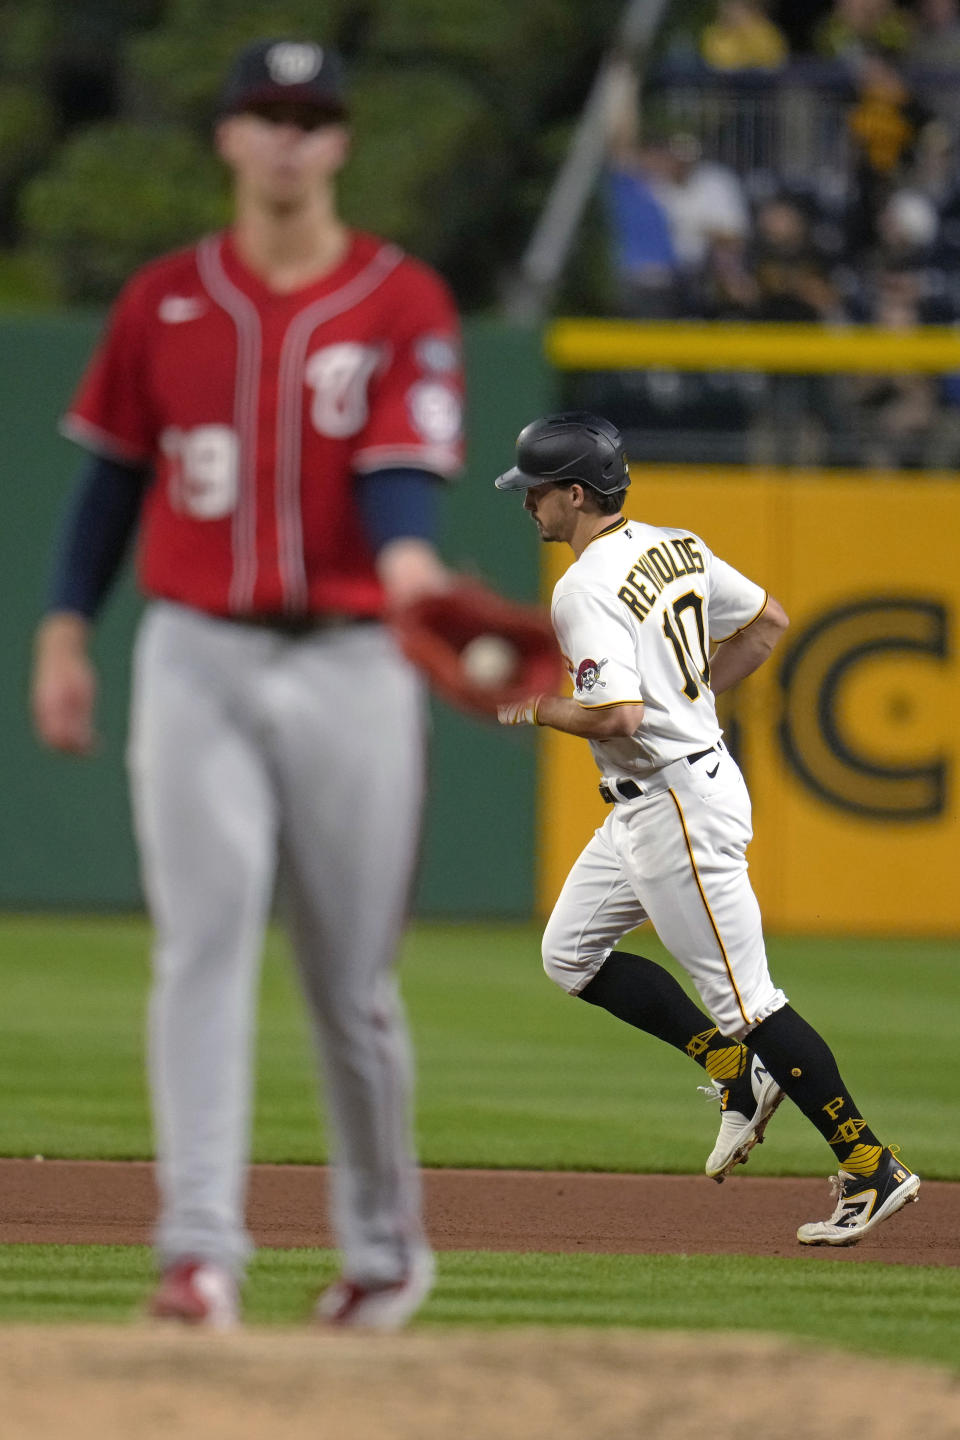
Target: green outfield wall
[65,840]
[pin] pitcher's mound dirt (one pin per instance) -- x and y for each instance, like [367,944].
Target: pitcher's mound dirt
[108,1384]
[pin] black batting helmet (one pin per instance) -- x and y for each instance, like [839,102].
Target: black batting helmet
[572,446]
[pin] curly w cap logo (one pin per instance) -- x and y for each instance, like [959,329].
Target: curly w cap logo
[588,675]
[292,64]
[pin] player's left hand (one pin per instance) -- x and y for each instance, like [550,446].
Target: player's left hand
[520,712]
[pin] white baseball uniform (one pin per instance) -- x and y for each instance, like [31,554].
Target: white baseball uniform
[636,617]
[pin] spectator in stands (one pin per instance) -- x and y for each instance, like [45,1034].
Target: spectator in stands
[644,261]
[933,170]
[646,273]
[885,124]
[743,37]
[895,415]
[855,26]
[934,173]
[790,284]
[789,274]
[704,202]
[906,246]
[724,288]
[936,41]
[917,416]
[669,208]
[907,231]
[918,226]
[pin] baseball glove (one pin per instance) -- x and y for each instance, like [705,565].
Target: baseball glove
[478,649]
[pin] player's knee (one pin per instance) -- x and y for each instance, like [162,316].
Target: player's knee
[732,1027]
[735,1012]
[568,960]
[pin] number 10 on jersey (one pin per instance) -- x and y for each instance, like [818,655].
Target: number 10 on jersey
[687,635]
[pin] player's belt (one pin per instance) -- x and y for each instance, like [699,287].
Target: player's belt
[294,625]
[613,790]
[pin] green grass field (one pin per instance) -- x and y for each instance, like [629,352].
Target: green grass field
[892,1310]
[511,1073]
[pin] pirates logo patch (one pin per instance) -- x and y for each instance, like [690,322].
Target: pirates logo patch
[588,675]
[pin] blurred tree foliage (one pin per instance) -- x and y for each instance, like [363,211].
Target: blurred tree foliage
[461,109]
[115,196]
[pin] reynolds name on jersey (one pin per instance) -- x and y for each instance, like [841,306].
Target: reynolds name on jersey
[657,567]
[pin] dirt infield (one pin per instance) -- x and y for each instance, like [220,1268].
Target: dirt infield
[110,1202]
[112,1384]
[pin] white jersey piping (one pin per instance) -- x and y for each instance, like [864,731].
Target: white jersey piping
[243,313]
[290,417]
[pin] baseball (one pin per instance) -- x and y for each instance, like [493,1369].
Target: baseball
[489,660]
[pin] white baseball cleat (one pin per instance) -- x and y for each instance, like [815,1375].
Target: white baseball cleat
[354,1305]
[746,1107]
[862,1203]
[197,1292]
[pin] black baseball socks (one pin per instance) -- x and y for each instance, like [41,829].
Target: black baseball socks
[645,995]
[802,1063]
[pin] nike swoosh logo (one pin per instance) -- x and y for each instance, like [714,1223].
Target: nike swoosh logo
[713,772]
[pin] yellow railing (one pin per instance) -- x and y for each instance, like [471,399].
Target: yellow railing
[573,344]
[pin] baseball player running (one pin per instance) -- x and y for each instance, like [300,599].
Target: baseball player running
[652,626]
[273,407]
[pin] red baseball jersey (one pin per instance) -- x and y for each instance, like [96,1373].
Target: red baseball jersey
[257,410]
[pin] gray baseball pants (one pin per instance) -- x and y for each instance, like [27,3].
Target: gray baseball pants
[251,752]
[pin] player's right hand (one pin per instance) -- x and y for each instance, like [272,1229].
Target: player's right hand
[410,569]
[63,692]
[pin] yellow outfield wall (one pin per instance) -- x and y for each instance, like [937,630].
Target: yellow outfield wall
[848,736]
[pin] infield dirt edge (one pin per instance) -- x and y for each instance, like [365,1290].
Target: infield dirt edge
[563,1212]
